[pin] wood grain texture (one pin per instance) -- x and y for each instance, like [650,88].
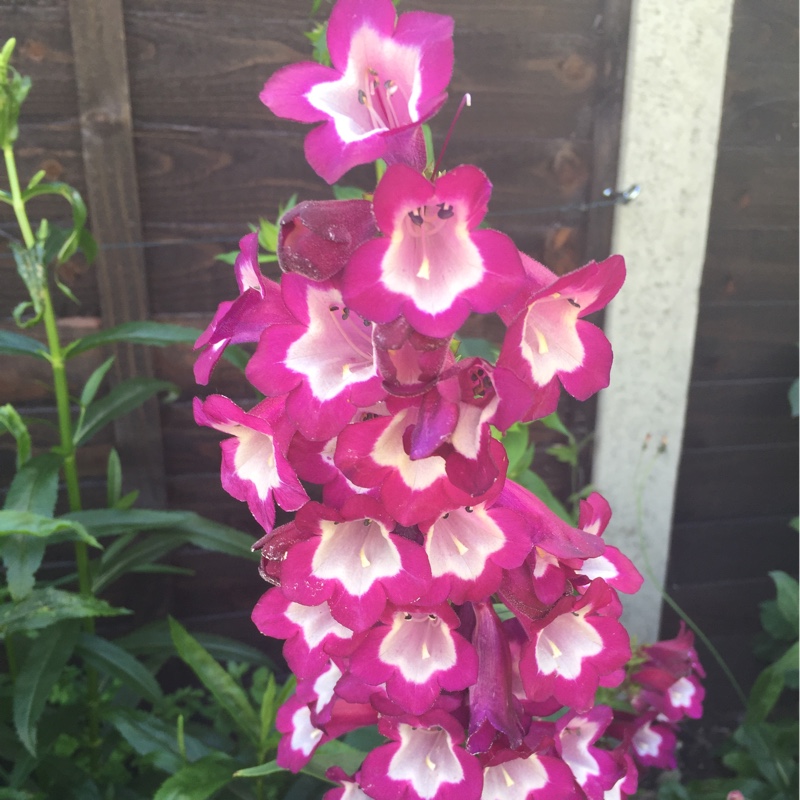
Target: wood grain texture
[721,413]
[99,47]
[729,483]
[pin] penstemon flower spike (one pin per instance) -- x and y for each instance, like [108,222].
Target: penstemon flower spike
[422,590]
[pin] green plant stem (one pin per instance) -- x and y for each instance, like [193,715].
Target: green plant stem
[69,467]
[11,656]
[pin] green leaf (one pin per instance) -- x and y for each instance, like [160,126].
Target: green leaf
[764,694]
[22,556]
[477,348]
[72,196]
[270,768]
[39,672]
[787,597]
[237,356]
[35,486]
[218,538]
[198,781]
[333,754]
[267,713]
[23,537]
[114,522]
[122,399]
[565,453]
[155,640]
[532,482]
[30,524]
[17,344]
[113,479]
[347,192]
[116,563]
[518,448]
[151,737]
[758,740]
[227,258]
[230,696]
[44,607]
[110,659]
[156,334]
[788,661]
[94,381]
[554,423]
[11,422]
[30,266]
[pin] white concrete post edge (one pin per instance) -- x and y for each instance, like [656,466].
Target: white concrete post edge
[675,79]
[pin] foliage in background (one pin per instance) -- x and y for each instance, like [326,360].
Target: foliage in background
[82,714]
[762,753]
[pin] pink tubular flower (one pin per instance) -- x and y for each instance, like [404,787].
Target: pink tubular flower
[311,633]
[354,561]
[423,762]
[242,320]
[548,342]
[389,76]
[574,648]
[254,465]
[417,653]
[535,777]
[594,769]
[613,566]
[432,266]
[322,357]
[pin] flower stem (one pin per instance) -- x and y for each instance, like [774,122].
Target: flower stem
[61,388]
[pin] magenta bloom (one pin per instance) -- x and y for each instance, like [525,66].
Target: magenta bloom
[389,76]
[242,320]
[321,357]
[254,465]
[354,561]
[425,760]
[432,266]
[548,342]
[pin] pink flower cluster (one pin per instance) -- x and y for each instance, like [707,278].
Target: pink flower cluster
[662,690]
[421,591]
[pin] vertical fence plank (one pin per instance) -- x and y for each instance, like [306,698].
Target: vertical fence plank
[98,41]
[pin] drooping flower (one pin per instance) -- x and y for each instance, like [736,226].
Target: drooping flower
[548,341]
[574,649]
[424,760]
[416,652]
[254,464]
[595,769]
[389,76]
[242,320]
[354,562]
[613,566]
[493,709]
[321,357]
[432,265]
[311,633]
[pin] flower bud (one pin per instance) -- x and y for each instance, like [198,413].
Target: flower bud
[317,237]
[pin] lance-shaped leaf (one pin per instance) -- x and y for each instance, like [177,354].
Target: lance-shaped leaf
[200,780]
[230,696]
[123,398]
[37,675]
[151,737]
[155,334]
[11,422]
[109,658]
[17,344]
[44,607]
